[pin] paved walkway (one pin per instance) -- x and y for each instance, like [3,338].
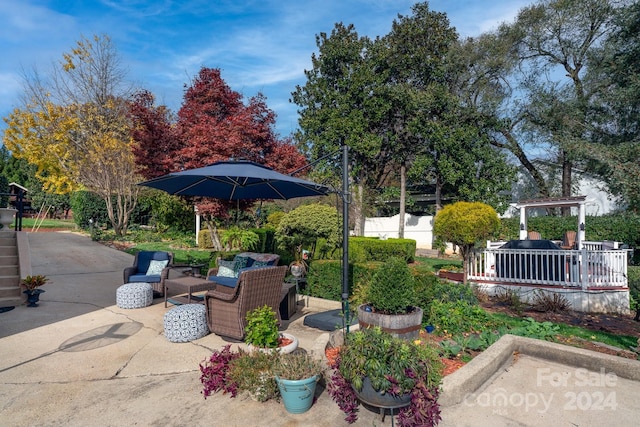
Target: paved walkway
[79,360]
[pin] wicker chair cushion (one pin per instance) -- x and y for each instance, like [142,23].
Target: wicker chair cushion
[138,278]
[229,282]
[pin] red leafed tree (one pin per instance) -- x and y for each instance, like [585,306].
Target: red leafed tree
[154,133]
[214,125]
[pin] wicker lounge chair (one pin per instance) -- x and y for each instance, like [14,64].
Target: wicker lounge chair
[228,306]
[140,271]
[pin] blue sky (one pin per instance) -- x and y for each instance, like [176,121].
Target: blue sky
[260,46]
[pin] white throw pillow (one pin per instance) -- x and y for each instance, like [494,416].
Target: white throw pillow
[226,269]
[156,267]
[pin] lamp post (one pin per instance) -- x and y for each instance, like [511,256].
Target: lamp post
[345,237]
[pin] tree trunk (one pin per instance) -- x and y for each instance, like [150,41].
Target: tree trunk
[357,203]
[566,181]
[438,195]
[403,199]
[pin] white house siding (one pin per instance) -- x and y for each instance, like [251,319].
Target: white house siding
[418,228]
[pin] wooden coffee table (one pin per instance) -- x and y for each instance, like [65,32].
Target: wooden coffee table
[186,285]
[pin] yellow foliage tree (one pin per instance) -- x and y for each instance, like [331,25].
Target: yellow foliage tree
[83,139]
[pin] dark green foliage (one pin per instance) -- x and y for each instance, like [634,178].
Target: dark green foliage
[364,249]
[392,289]
[4,191]
[302,227]
[633,273]
[87,205]
[167,211]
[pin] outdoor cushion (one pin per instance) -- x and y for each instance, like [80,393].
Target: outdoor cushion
[153,278]
[145,258]
[229,282]
[225,269]
[255,256]
[240,262]
[156,267]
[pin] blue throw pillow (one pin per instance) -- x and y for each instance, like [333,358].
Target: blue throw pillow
[239,262]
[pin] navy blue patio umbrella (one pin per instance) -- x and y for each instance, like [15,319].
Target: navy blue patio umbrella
[236,180]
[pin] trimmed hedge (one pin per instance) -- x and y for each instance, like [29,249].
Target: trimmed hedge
[365,249]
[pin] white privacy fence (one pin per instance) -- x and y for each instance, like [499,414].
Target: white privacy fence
[584,269]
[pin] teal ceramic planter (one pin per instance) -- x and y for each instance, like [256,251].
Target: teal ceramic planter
[297,395]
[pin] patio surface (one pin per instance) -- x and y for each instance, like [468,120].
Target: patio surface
[79,360]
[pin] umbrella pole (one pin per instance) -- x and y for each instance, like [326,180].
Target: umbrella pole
[345,237]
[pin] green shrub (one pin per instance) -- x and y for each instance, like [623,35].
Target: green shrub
[392,289]
[302,227]
[633,273]
[456,317]
[4,191]
[364,249]
[262,328]
[88,206]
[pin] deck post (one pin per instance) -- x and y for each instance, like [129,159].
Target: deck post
[584,267]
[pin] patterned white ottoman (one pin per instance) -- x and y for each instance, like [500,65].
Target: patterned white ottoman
[134,295]
[185,323]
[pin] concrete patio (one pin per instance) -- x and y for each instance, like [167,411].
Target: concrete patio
[79,360]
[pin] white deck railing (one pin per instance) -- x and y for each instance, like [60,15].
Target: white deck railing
[586,268]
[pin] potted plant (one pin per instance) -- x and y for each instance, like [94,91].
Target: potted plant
[31,285]
[390,301]
[387,372]
[252,372]
[261,332]
[297,375]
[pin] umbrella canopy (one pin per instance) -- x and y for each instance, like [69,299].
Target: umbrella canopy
[236,180]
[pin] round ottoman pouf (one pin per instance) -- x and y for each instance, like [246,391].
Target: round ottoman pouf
[134,295]
[185,323]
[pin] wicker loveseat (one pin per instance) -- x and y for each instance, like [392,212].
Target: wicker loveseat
[227,306]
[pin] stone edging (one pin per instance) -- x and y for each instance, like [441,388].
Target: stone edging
[481,369]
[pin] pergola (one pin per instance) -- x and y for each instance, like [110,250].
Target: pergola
[554,202]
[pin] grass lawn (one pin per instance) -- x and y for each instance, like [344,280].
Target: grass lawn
[29,223]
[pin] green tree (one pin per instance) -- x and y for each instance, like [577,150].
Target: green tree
[464,224]
[340,105]
[302,227]
[415,52]
[615,144]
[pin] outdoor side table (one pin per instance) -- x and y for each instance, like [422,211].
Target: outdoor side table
[186,285]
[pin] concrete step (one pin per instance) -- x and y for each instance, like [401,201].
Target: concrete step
[7,241]
[11,280]
[11,301]
[10,292]
[9,270]
[8,251]
[9,260]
